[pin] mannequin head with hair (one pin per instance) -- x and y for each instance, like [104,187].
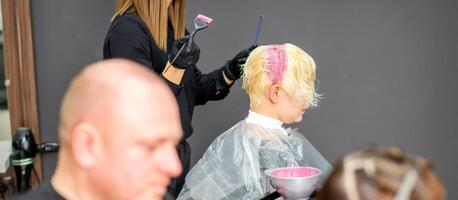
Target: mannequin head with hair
[382,173]
[280,81]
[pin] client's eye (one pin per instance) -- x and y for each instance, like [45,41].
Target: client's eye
[150,147]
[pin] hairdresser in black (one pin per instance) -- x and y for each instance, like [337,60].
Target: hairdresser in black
[151,32]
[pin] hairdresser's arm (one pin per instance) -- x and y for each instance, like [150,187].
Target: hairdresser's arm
[173,74]
[211,86]
[129,39]
[228,81]
[126,42]
[180,59]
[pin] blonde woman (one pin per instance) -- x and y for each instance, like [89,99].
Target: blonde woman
[151,32]
[280,82]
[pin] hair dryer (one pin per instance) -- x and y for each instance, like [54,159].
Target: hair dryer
[24,150]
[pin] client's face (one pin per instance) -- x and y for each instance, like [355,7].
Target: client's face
[291,109]
[140,156]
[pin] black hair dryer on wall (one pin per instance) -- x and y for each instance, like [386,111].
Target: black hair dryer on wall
[24,150]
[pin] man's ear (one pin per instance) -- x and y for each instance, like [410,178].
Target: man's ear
[274,93]
[86,143]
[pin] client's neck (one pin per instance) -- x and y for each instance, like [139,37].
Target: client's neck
[69,181]
[267,110]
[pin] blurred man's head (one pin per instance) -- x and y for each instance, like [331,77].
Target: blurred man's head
[382,173]
[119,125]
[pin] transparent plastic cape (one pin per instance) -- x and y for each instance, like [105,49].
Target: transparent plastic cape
[233,165]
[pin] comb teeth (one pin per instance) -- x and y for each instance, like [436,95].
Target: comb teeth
[204,19]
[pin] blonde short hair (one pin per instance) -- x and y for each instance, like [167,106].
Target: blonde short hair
[287,65]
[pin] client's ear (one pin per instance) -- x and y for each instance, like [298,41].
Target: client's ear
[274,93]
[85,144]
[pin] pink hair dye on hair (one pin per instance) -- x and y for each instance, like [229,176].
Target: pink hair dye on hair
[276,62]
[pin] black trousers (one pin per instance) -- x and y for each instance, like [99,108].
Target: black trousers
[176,184]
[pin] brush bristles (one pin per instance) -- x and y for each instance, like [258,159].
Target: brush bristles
[204,19]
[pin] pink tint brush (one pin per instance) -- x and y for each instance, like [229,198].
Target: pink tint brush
[200,22]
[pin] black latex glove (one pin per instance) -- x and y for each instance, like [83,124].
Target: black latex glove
[187,57]
[233,68]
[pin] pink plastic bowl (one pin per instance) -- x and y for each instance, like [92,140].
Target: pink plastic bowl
[294,182]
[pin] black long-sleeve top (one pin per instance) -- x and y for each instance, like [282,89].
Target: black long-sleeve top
[128,37]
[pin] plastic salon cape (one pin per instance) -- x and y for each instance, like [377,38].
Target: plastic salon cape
[233,165]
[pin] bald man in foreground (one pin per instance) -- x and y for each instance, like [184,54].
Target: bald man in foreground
[119,125]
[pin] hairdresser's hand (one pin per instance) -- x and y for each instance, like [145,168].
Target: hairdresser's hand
[187,57]
[233,67]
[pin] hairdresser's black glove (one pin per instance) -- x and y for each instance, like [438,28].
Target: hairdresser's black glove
[233,67]
[187,57]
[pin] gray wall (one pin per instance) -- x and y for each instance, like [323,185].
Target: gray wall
[387,68]
[67,35]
